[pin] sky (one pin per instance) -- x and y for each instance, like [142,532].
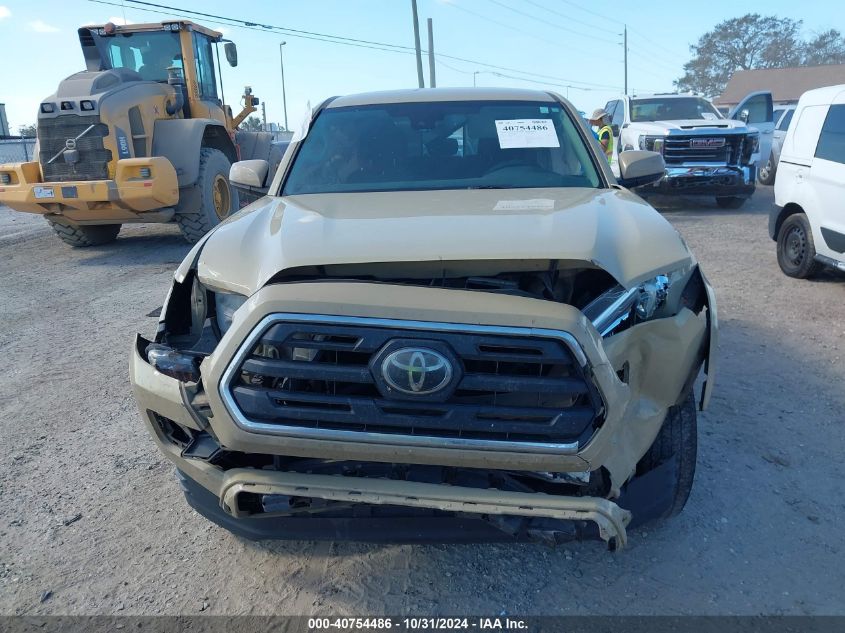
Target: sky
[573,47]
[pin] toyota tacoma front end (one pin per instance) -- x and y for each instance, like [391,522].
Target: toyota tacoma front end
[387,349]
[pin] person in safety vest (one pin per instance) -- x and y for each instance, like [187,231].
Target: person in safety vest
[601,120]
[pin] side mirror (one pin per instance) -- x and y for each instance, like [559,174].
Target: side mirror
[231,53]
[638,167]
[615,129]
[743,116]
[249,173]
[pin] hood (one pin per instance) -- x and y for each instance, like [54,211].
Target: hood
[685,126]
[612,228]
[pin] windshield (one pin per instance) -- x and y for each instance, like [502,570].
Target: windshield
[672,109]
[441,145]
[148,53]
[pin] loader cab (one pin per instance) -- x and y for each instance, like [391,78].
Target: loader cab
[162,52]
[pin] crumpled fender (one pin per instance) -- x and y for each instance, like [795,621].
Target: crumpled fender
[713,342]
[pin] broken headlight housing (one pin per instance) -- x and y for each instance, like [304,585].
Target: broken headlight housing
[620,308]
[652,143]
[225,306]
[751,147]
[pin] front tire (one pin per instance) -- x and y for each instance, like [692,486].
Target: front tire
[81,236]
[796,249]
[730,202]
[767,173]
[677,439]
[217,197]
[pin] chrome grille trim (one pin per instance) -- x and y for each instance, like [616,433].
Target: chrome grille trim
[231,373]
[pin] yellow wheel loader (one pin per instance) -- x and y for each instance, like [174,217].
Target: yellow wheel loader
[141,135]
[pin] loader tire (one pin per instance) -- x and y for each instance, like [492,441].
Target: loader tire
[217,197]
[79,236]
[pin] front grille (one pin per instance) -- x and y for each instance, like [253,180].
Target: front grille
[94,159]
[682,149]
[323,376]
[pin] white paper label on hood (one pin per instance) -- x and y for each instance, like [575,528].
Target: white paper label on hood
[709,116]
[519,133]
[533,204]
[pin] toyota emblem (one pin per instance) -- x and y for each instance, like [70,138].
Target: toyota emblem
[416,370]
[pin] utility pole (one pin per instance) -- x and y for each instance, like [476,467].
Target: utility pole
[284,96]
[625,46]
[432,82]
[417,44]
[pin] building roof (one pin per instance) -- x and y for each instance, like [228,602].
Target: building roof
[786,84]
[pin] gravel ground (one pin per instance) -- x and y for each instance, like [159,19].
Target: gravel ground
[93,521]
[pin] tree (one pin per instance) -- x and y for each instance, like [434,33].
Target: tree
[752,41]
[825,48]
[252,124]
[27,131]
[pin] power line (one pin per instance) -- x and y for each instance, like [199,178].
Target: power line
[481,16]
[612,19]
[506,76]
[552,24]
[568,17]
[502,24]
[335,39]
[651,43]
[394,48]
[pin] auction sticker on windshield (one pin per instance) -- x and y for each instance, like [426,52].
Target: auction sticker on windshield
[520,133]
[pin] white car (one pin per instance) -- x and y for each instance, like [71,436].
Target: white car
[808,221]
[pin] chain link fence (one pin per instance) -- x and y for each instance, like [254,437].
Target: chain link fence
[17,150]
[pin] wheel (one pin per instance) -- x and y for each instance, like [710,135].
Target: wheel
[766,176]
[796,250]
[730,202]
[217,198]
[677,441]
[85,235]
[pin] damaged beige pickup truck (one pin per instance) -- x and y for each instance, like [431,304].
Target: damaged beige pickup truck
[445,320]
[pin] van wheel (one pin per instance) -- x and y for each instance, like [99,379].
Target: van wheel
[85,235]
[796,250]
[217,197]
[730,202]
[767,173]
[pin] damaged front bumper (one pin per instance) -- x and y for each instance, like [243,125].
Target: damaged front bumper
[659,354]
[609,517]
[711,180]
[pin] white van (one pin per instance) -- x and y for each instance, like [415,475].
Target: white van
[808,221]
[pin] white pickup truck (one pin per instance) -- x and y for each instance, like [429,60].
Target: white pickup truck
[705,153]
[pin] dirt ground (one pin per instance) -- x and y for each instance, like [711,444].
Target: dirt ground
[93,521]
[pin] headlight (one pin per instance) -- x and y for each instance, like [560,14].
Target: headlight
[619,308]
[751,147]
[225,306]
[651,143]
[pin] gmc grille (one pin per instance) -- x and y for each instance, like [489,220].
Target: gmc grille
[94,159]
[319,376]
[682,149]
